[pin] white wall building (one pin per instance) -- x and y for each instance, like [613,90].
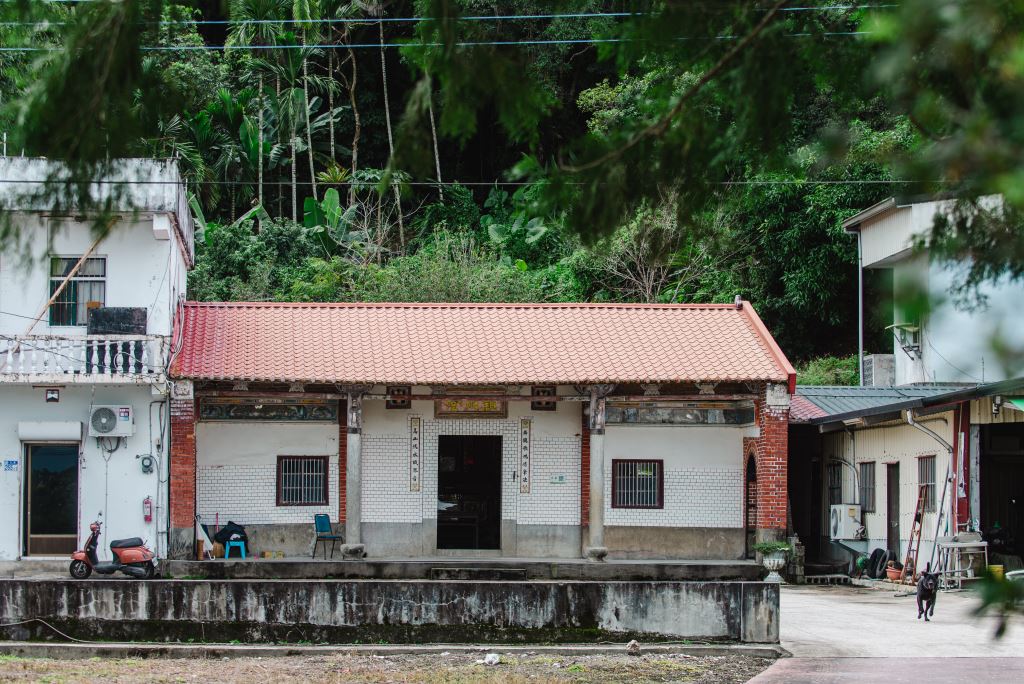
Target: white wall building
[516,430]
[104,340]
[963,446]
[954,341]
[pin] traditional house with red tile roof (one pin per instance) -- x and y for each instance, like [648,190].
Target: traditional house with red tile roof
[518,430]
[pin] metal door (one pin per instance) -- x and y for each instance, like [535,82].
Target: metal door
[892,506]
[51,499]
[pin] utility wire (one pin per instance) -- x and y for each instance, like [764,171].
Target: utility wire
[411,43]
[448,183]
[415,20]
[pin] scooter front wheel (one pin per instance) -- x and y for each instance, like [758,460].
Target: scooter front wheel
[150,570]
[80,569]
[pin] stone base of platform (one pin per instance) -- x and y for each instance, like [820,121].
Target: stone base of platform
[395,611]
[496,569]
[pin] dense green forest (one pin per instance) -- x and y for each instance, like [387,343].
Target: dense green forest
[335,153]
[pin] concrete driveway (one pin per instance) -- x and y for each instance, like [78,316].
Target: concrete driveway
[847,634]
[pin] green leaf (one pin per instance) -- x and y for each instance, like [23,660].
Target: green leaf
[331,208]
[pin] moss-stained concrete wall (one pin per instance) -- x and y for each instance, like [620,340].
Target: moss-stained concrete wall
[391,611]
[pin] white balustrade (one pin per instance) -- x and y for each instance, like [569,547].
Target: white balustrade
[83,355]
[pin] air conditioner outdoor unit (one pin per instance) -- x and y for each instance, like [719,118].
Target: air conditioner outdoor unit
[845,522]
[112,421]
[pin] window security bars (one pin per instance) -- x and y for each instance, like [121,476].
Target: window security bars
[638,484]
[301,480]
[87,289]
[926,476]
[867,487]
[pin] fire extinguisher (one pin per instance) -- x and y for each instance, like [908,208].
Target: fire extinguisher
[147,509]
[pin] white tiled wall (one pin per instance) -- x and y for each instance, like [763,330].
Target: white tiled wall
[385,491]
[247,494]
[694,497]
[386,496]
[508,430]
[550,502]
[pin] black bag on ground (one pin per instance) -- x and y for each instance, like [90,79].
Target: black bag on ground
[226,533]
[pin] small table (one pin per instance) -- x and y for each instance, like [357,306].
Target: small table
[952,556]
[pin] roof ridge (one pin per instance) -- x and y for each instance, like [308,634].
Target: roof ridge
[458,305]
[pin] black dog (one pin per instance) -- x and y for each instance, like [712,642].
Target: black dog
[927,589]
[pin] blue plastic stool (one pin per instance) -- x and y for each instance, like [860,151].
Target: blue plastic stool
[240,545]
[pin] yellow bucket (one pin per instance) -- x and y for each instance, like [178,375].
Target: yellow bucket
[997,571]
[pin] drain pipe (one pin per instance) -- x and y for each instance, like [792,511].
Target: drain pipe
[860,309]
[941,508]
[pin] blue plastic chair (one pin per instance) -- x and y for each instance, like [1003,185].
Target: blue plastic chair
[324,533]
[238,544]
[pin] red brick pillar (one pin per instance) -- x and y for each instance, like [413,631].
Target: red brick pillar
[584,471]
[183,477]
[772,453]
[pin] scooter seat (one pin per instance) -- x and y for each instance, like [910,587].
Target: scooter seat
[126,543]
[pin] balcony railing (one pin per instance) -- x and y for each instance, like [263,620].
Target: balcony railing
[122,356]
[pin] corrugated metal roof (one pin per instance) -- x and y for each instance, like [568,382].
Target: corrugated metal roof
[838,400]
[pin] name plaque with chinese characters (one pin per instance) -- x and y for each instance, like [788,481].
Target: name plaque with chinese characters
[525,471]
[415,453]
[477,404]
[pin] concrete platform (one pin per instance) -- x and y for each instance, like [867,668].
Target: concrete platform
[388,611]
[490,569]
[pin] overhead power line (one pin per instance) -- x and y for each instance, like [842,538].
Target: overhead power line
[450,183]
[377,46]
[416,20]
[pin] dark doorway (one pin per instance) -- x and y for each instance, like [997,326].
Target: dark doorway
[892,506]
[1002,487]
[469,492]
[51,499]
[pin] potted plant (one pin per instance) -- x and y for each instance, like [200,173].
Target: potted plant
[773,557]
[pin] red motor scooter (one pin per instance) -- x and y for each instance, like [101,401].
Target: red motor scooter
[131,556]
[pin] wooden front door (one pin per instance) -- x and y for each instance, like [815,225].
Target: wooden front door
[51,499]
[892,507]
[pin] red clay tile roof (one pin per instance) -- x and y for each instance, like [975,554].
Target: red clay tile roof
[472,344]
[802,409]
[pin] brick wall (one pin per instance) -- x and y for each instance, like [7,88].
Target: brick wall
[694,497]
[553,496]
[585,470]
[772,450]
[385,491]
[183,463]
[247,494]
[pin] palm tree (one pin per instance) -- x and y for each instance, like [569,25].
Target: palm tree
[391,139]
[346,10]
[254,23]
[305,12]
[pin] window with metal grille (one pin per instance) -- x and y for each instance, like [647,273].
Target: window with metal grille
[835,483]
[638,484]
[926,476]
[867,487]
[301,480]
[86,290]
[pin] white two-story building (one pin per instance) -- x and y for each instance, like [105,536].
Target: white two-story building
[85,341]
[951,340]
